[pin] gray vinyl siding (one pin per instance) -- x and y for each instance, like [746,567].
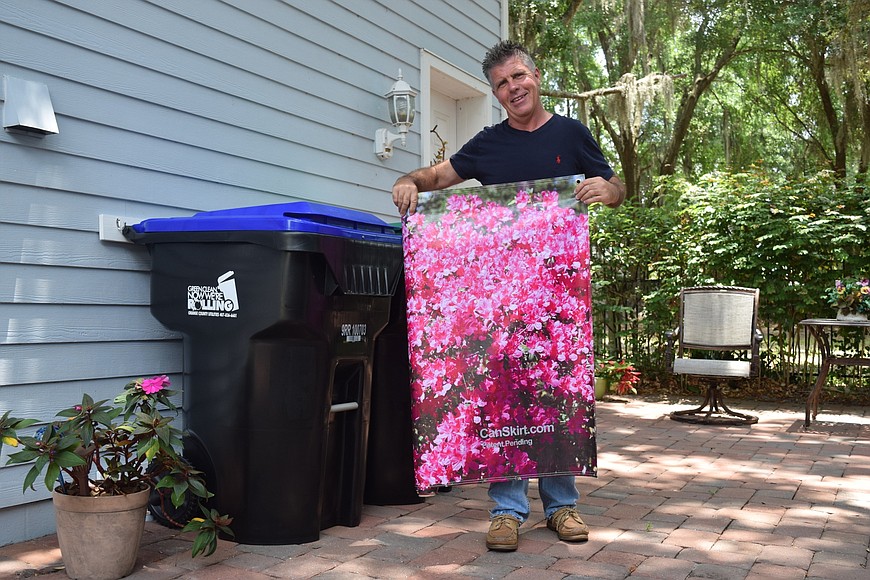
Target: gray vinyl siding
[165,108]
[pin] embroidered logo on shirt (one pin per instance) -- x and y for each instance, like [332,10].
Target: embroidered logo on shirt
[558,159]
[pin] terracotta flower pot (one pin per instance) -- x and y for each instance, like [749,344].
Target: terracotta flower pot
[602,386]
[99,536]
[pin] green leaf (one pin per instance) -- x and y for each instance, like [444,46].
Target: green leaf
[30,478]
[205,543]
[149,448]
[103,417]
[193,525]
[165,482]
[177,498]
[199,488]
[22,456]
[9,424]
[68,459]
[51,475]
[226,530]
[41,462]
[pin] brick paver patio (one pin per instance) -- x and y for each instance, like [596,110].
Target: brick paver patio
[672,501]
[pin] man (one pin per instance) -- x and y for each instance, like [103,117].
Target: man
[530,144]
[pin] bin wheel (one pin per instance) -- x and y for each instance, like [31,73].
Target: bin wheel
[160,502]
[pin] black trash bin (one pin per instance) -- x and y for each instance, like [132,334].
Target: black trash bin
[280,306]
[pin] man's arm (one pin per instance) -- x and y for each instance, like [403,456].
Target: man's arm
[407,187]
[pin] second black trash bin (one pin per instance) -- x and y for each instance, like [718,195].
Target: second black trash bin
[390,458]
[280,306]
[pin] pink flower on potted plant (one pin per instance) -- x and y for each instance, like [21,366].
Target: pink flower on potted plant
[109,453]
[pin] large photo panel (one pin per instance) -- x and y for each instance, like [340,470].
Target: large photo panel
[500,333]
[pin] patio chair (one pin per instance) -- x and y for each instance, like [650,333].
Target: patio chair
[715,321]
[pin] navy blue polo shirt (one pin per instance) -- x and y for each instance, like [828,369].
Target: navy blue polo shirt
[502,154]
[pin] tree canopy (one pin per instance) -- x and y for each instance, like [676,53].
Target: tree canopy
[688,87]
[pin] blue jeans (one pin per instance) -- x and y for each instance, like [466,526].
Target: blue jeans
[512,497]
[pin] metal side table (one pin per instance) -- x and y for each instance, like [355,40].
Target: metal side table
[817,327]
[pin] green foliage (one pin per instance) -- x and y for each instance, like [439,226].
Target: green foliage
[207,529]
[788,237]
[632,299]
[791,238]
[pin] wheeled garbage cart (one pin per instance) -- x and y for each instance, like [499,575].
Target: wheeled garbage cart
[279,306]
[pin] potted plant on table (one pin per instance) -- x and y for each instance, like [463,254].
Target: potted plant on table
[620,377]
[851,298]
[99,462]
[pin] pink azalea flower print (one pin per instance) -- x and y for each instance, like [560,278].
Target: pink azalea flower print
[500,336]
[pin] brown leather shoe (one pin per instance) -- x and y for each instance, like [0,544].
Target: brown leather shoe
[503,534]
[568,526]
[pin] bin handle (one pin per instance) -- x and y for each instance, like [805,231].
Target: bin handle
[341,407]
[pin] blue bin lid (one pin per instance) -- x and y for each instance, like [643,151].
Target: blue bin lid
[300,216]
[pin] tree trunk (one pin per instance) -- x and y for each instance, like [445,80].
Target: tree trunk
[689,103]
[838,130]
[864,161]
[626,149]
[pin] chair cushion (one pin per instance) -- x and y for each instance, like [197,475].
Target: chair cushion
[711,368]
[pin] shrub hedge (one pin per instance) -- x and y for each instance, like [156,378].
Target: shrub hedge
[791,238]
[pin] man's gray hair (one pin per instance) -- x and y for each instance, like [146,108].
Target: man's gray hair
[503,51]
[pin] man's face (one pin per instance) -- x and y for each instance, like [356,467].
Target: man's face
[516,87]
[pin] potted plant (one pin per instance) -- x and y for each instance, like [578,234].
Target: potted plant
[101,462]
[851,298]
[620,376]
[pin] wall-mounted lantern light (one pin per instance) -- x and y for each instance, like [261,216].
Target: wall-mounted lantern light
[27,109]
[400,101]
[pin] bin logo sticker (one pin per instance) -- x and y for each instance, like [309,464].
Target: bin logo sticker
[221,300]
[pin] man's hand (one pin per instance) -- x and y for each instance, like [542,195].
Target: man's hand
[405,195]
[408,187]
[599,190]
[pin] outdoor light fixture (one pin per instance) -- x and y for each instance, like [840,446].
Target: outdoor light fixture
[400,101]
